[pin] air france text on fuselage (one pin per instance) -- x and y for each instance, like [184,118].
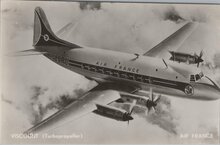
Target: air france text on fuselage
[120,67]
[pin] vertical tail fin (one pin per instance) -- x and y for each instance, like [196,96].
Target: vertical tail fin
[43,34]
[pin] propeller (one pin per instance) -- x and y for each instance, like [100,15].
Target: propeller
[129,115]
[131,109]
[152,101]
[199,58]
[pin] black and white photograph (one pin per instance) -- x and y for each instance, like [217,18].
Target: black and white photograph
[107,72]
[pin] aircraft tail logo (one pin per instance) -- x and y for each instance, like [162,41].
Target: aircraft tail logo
[43,34]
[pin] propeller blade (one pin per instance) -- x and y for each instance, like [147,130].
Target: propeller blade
[196,55]
[152,101]
[151,94]
[153,108]
[201,54]
[198,64]
[150,108]
[148,111]
[199,58]
[132,106]
[131,111]
[157,99]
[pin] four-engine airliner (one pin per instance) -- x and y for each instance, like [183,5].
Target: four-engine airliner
[120,76]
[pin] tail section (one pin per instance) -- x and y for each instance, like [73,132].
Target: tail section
[43,34]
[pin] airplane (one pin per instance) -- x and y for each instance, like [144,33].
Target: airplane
[186,58]
[120,76]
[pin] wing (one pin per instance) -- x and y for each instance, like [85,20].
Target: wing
[171,43]
[65,31]
[101,94]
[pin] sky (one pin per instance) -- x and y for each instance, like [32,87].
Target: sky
[34,87]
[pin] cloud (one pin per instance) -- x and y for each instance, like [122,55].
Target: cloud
[90,5]
[41,104]
[169,14]
[164,116]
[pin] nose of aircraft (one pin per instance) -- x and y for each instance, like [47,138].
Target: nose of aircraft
[206,89]
[212,82]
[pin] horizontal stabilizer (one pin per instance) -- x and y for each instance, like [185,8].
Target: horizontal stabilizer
[26,53]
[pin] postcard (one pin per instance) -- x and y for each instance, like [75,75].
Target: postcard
[110,72]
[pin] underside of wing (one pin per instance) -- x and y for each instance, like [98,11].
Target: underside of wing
[82,106]
[104,94]
[172,43]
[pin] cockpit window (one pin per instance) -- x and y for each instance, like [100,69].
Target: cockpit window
[201,74]
[192,78]
[196,77]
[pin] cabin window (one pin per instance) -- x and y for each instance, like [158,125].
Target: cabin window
[146,79]
[108,72]
[115,73]
[86,67]
[123,75]
[92,69]
[130,76]
[138,78]
[192,78]
[100,70]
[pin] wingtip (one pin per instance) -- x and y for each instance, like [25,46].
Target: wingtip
[37,9]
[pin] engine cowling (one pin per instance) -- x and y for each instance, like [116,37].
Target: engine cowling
[113,112]
[148,100]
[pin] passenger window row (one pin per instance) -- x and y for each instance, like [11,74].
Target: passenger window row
[112,72]
[124,75]
[118,73]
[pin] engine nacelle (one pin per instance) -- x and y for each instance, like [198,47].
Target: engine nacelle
[127,97]
[182,57]
[148,100]
[113,112]
[186,58]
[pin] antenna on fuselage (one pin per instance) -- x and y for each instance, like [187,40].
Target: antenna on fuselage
[165,63]
[137,56]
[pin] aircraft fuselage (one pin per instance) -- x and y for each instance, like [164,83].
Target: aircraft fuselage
[144,72]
